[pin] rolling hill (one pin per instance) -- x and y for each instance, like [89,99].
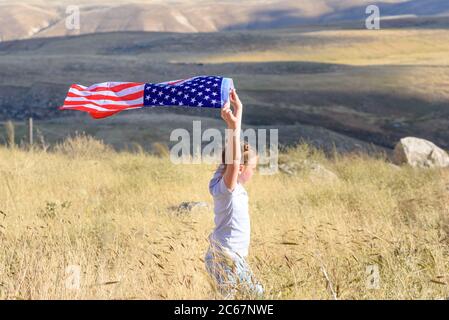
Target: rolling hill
[309,67]
[372,86]
[39,18]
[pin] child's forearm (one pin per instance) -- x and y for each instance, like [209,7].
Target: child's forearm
[232,149]
[232,158]
[233,146]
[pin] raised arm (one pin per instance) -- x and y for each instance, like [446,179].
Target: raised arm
[233,119]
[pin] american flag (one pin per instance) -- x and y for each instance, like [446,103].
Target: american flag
[106,99]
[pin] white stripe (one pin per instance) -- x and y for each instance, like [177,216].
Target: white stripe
[178,83]
[91,106]
[105,84]
[103,101]
[109,93]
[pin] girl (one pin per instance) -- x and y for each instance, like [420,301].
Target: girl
[226,258]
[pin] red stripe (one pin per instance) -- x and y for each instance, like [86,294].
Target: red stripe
[107,106]
[93,113]
[175,82]
[101,115]
[82,108]
[116,88]
[132,96]
[88,109]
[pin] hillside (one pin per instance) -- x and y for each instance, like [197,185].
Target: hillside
[115,215]
[39,18]
[371,86]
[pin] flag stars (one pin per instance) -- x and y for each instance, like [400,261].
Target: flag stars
[202,91]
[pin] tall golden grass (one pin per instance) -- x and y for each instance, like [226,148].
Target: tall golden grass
[10,134]
[111,214]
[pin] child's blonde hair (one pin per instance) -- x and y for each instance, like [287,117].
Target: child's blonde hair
[248,155]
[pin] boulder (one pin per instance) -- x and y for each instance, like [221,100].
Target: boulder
[314,170]
[394,166]
[319,172]
[420,153]
[191,206]
[288,168]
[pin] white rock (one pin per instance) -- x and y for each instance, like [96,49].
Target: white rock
[191,206]
[420,153]
[315,170]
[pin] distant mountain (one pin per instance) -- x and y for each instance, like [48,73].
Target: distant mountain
[399,9]
[39,18]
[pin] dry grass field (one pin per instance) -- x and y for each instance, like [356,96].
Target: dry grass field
[111,214]
[108,206]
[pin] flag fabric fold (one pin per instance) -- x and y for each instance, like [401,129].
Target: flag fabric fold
[106,99]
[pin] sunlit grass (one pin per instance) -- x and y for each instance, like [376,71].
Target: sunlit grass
[110,214]
[354,47]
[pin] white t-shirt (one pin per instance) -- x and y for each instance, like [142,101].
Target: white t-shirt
[232,223]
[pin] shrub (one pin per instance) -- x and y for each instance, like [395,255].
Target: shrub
[82,145]
[10,134]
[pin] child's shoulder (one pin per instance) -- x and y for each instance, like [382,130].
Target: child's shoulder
[216,181]
[218,174]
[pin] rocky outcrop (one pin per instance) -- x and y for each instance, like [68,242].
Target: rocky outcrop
[419,153]
[314,170]
[185,207]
